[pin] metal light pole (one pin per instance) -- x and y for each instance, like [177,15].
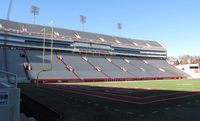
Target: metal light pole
[34,11]
[119,27]
[5,41]
[83,21]
[9,10]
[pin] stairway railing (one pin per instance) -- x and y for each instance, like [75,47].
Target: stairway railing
[11,78]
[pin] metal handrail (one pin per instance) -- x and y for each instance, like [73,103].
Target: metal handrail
[9,73]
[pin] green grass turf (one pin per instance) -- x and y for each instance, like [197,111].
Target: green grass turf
[73,110]
[124,91]
[177,85]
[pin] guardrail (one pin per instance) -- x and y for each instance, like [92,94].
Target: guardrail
[11,78]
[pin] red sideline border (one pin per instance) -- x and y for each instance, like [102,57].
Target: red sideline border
[57,80]
[123,98]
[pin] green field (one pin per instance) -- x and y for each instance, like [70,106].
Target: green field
[78,107]
[179,85]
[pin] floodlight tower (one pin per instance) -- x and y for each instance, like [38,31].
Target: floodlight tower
[34,11]
[9,10]
[119,27]
[83,21]
[4,65]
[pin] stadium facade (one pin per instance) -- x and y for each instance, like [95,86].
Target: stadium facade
[72,55]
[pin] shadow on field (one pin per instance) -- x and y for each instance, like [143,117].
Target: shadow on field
[31,108]
[130,95]
[93,103]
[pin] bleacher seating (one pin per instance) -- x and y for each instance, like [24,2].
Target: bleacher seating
[81,67]
[35,30]
[160,63]
[134,70]
[107,67]
[1,60]
[85,67]
[80,56]
[58,70]
[15,63]
[142,64]
[83,70]
[65,32]
[2,64]
[89,36]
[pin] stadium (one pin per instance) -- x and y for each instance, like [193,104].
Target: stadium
[81,56]
[44,55]
[49,73]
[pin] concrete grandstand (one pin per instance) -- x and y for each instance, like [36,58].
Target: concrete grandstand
[79,56]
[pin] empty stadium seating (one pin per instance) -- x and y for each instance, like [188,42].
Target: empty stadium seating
[84,69]
[58,70]
[15,63]
[116,68]
[2,64]
[160,63]
[107,67]
[35,30]
[79,56]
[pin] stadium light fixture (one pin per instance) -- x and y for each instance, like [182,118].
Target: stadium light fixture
[83,21]
[34,11]
[9,10]
[119,27]
[5,65]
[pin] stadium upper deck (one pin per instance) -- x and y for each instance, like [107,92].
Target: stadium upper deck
[28,35]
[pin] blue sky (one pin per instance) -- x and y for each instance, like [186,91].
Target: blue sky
[176,23]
